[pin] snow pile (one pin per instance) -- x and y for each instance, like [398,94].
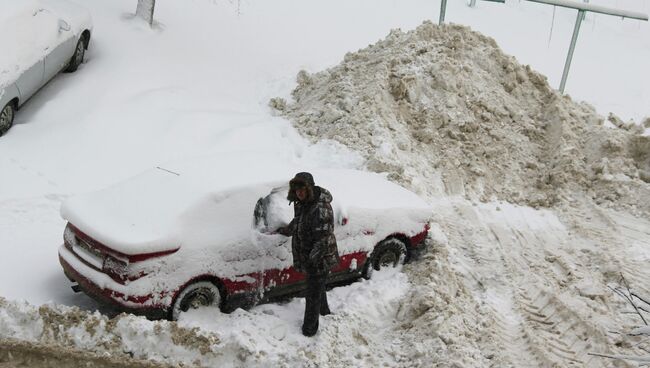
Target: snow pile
[126,335]
[444,111]
[512,286]
[267,335]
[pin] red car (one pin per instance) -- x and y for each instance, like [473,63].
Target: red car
[144,253]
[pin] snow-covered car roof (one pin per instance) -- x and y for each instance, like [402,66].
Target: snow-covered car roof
[192,206]
[29,30]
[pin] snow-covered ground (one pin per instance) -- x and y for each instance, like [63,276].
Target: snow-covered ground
[199,84]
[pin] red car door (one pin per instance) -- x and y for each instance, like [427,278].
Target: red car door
[288,280]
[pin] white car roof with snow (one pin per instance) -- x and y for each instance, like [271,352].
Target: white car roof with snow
[29,30]
[160,210]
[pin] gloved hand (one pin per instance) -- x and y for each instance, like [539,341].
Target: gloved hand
[282,230]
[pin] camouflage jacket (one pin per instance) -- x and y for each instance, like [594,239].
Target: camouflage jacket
[313,243]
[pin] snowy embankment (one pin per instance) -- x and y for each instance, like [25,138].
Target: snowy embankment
[447,114]
[267,335]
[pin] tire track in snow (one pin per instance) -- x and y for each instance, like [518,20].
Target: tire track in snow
[560,333]
[620,244]
[484,258]
[562,320]
[529,271]
[554,319]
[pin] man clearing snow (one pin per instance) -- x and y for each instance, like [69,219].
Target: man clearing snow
[313,244]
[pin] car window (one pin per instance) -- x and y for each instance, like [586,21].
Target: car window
[274,211]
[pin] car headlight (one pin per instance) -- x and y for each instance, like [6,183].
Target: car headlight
[69,236]
[115,267]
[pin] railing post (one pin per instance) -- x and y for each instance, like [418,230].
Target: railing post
[567,64]
[472,3]
[443,7]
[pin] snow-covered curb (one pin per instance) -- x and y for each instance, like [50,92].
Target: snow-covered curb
[265,335]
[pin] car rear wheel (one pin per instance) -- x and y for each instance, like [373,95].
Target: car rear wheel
[7,117]
[194,296]
[389,253]
[78,56]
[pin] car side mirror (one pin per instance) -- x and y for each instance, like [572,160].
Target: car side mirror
[63,26]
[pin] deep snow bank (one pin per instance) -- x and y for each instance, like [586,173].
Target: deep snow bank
[445,111]
[362,332]
[124,336]
[447,114]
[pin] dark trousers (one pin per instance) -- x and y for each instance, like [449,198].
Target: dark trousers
[316,302]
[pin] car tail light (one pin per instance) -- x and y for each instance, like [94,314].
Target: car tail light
[73,232]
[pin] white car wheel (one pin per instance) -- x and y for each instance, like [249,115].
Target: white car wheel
[196,295]
[7,117]
[78,56]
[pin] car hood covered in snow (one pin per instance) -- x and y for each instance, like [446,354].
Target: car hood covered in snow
[193,205]
[29,30]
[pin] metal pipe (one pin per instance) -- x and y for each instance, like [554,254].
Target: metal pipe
[594,8]
[473,2]
[443,7]
[567,64]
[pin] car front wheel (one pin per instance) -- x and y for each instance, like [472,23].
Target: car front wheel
[7,117]
[78,56]
[388,253]
[194,296]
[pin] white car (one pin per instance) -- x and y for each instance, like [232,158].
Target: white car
[169,240]
[38,39]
